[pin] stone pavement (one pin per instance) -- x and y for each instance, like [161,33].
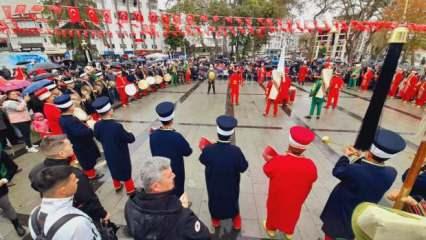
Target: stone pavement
[195,117]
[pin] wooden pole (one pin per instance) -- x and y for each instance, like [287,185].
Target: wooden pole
[412,174]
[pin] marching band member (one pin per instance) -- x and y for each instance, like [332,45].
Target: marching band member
[50,111]
[336,83]
[211,77]
[272,93]
[115,140]
[303,73]
[410,87]
[167,142]
[365,180]
[290,174]
[317,95]
[234,84]
[356,72]
[366,79]
[121,83]
[80,135]
[224,164]
[397,79]
[421,94]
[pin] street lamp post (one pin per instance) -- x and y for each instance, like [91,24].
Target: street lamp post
[85,47]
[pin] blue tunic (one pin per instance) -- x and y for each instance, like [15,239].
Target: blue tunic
[115,140]
[359,182]
[419,189]
[224,164]
[171,144]
[81,137]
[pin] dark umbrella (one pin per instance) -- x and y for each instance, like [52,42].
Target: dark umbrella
[45,66]
[35,86]
[43,76]
[23,63]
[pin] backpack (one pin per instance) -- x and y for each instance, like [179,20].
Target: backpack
[38,224]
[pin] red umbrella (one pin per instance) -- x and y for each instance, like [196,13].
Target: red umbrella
[13,85]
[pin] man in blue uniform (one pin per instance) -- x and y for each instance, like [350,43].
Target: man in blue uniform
[80,135]
[115,140]
[365,180]
[224,163]
[167,142]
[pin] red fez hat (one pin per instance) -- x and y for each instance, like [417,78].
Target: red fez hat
[42,94]
[300,137]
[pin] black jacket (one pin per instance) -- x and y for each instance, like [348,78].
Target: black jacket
[7,170]
[85,198]
[161,216]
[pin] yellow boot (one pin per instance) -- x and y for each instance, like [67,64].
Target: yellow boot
[270,233]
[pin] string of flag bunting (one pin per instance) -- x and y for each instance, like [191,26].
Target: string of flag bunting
[177,24]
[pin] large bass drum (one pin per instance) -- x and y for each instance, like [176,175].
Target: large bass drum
[130,89]
[158,79]
[151,80]
[143,84]
[167,77]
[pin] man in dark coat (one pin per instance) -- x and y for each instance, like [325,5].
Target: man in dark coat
[115,140]
[155,212]
[80,135]
[167,142]
[365,180]
[58,150]
[224,163]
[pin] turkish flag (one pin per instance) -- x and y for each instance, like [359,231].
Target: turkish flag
[74,14]
[216,18]
[248,21]
[37,8]
[3,26]
[176,19]
[20,8]
[165,19]
[91,13]
[137,16]
[153,17]
[7,9]
[123,16]
[190,19]
[56,9]
[107,16]
[228,20]
[204,18]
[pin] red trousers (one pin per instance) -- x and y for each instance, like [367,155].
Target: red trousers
[236,222]
[128,184]
[235,95]
[268,106]
[124,99]
[421,101]
[333,97]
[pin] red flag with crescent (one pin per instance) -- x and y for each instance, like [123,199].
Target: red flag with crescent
[56,9]
[137,16]
[123,16]
[107,16]
[93,16]
[74,14]
[37,8]
[3,26]
[7,10]
[20,8]
[176,19]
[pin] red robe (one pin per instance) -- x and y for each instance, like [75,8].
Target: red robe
[52,114]
[366,79]
[283,96]
[234,83]
[421,95]
[121,82]
[303,72]
[261,75]
[397,79]
[410,89]
[290,181]
[188,75]
[336,83]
